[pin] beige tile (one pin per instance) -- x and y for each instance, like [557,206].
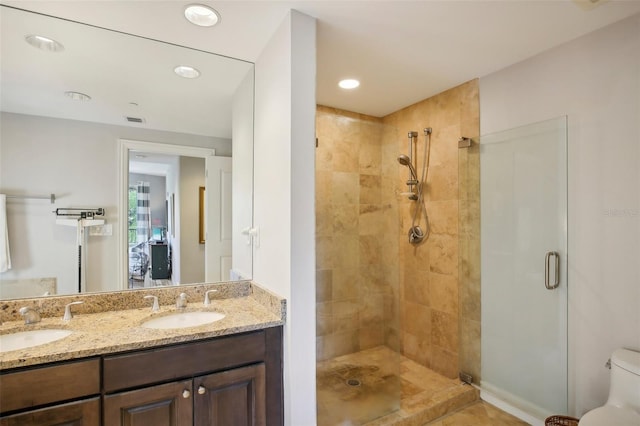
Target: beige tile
[324,283]
[324,220]
[346,283]
[443,291]
[469,350]
[442,183]
[370,158]
[444,330]
[370,190]
[324,325]
[324,252]
[417,320]
[443,254]
[324,155]
[444,362]
[416,287]
[443,217]
[444,145]
[324,185]
[370,218]
[371,280]
[346,322]
[345,252]
[372,310]
[469,219]
[370,337]
[345,218]
[370,250]
[341,343]
[345,188]
[422,255]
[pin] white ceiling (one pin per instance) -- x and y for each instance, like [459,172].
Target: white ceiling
[401,51]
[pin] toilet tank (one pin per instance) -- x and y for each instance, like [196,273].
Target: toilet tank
[625,379]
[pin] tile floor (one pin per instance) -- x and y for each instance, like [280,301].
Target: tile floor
[379,387]
[478,414]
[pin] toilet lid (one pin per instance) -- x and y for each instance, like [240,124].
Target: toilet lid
[610,416]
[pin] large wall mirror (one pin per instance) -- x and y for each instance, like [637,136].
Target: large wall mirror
[107,120]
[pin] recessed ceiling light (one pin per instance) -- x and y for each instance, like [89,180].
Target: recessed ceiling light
[349,83]
[201,15]
[186,71]
[44,43]
[77,96]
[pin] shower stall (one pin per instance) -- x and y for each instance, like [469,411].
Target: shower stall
[410,301]
[388,298]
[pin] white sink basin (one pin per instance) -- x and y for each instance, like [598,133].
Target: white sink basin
[183,320]
[27,339]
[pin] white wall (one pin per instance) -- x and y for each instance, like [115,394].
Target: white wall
[284,196]
[191,251]
[78,161]
[595,81]
[242,176]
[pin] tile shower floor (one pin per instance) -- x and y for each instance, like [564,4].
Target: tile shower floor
[379,387]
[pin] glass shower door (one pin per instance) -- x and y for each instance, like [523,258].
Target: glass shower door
[523,187]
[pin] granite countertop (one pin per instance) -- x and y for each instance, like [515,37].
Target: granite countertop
[246,307]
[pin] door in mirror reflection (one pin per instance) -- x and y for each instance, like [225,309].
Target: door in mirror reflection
[178,232]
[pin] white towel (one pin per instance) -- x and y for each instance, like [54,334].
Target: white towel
[5,256]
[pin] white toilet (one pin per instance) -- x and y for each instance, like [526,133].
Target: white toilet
[623,405]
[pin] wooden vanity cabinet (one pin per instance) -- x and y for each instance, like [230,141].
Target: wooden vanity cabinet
[78,413]
[233,397]
[51,387]
[160,405]
[234,380]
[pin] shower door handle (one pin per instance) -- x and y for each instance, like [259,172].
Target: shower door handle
[547,281]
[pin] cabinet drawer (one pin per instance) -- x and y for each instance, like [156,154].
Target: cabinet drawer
[45,385]
[187,360]
[79,413]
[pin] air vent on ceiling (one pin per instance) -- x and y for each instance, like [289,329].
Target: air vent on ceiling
[135,120]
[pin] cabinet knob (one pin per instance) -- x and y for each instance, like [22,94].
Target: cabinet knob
[186,394]
[202,390]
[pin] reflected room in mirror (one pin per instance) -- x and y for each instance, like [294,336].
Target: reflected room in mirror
[102,120]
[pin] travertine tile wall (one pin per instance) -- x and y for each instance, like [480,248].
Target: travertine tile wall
[350,263]
[373,287]
[429,291]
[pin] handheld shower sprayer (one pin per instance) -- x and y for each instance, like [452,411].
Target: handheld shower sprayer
[406,161]
[416,234]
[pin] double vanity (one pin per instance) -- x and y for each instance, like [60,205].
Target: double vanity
[121,358]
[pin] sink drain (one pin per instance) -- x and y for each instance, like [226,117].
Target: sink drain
[353,382]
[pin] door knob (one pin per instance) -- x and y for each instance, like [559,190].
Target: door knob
[186,394]
[202,390]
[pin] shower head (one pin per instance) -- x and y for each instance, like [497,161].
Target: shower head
[406,161]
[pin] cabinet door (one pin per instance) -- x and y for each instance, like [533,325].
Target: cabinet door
[234,397]
[170,404]
[79,413]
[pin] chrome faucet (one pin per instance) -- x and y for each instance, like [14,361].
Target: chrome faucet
[207,302]
[155,306]
[67,310]
[181,301]
[31,315]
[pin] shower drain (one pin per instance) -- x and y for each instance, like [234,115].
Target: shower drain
[353,382]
